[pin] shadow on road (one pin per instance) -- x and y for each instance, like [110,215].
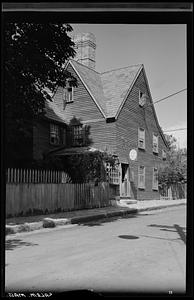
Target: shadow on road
[14,243]
[128,237]
[174,228]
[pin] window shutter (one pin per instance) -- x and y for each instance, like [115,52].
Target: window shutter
[155,179]
[155,143]
[141,177]
[141,138]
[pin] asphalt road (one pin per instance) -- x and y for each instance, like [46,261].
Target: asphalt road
[142,253]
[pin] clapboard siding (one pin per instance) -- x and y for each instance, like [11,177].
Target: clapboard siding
[82,107]
[103,135]
[130,118]
[41,138]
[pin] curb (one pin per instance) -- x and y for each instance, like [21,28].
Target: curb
[159,207]
[51,223]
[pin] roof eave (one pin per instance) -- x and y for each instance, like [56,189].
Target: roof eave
[155,115]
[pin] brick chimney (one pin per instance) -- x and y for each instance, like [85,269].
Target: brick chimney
[85,45]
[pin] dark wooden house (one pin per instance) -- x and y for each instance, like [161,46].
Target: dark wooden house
[117,106]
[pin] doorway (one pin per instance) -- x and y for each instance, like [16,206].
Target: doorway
[125,182]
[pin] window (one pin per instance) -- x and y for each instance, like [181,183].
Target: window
[68,93]
[63,136]
[54,134]
[163,154]
[57,135]
[141,177]
[142,98]
[155,143]
[141,138]
[155,179]
[77,135]
[112,174]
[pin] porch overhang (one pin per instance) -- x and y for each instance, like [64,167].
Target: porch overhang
[74,151]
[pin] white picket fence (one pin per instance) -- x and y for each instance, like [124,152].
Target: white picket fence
[36,176]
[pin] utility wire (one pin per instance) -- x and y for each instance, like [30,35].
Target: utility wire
[175,129]
[167,97]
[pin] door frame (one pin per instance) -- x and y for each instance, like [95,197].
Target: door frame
[124,183]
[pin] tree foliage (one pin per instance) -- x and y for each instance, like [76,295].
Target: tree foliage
[34,56]
[82,167]
[175,169]
[89,166]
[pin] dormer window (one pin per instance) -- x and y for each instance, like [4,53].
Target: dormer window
[142,98]
[155,143]
[141,138]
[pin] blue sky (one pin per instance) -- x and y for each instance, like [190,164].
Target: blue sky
[162,49]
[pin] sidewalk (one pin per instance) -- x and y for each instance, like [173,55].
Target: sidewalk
[21,224]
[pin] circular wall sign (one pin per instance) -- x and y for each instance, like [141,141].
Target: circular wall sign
[133,154]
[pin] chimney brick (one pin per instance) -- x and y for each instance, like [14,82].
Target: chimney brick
[85,45]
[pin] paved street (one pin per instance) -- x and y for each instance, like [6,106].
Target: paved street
[142,253]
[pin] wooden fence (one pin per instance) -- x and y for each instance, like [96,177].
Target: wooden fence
[174,191]
[36,176]
[41,193]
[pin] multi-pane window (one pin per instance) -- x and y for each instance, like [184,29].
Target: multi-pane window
[112,174]
[77,135]
[141,138]
[155,179]
[57,134]
[155,143]
[54,134]
[141,177]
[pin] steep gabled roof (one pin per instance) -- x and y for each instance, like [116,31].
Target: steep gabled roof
[107,89]
[116,84]
[110,89]
[92,81]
